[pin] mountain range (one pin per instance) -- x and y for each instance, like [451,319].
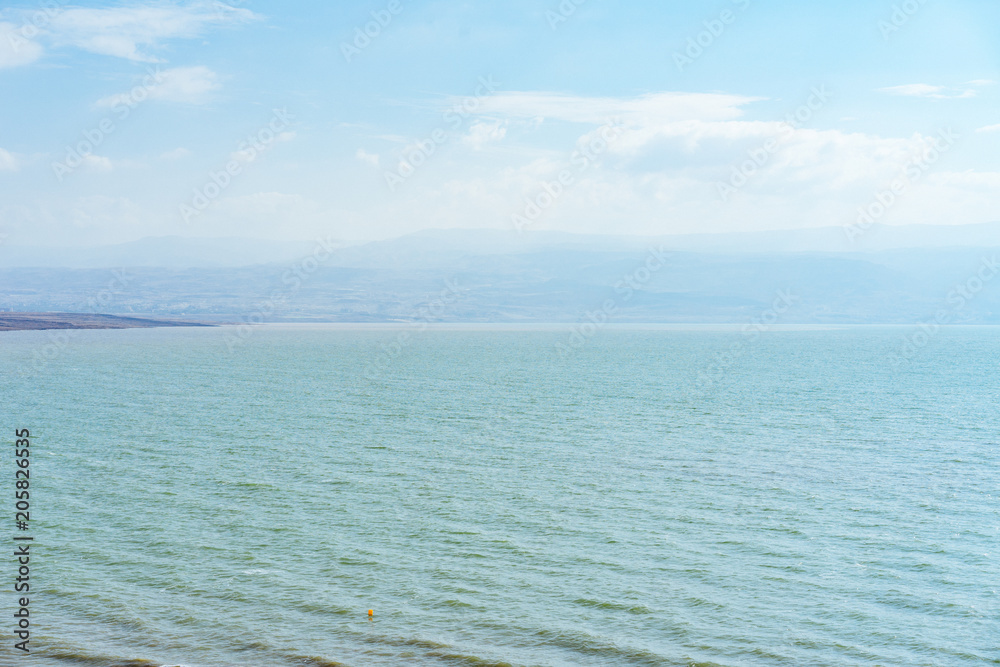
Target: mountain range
[891,275]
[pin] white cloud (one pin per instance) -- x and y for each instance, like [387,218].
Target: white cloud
[927,90]
[103,214]
[660,171]
[988,181]
[366,157]
[8,161]
[262,204]
[654,107]
[96,163]
[989,128]
[658,175]
[914,90]
[248,152]
[175,154]
[263,212]
[185,84]
[134,32]
[700,137]
[190,85]
[482,133]
[15,48]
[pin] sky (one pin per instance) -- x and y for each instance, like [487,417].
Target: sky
[370,120]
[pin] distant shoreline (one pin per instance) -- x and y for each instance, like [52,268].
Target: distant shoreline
[39,321]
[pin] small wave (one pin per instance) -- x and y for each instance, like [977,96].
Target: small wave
[463,659]
[96,659]
[414,642]
[347,560]
[590,645]
[615,606]
[456,603]
[438,650]
[313,661]
[315,608]
[254,646]
[263,486]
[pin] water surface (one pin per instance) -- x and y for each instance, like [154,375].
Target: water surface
[641,501]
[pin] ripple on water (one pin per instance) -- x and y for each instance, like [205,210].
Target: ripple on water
[496,506]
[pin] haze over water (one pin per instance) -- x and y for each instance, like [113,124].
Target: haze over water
[494,503]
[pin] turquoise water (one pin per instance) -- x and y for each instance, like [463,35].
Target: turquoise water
[497,503]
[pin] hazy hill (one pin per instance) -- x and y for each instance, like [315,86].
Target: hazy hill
[165,251]
[442,248]
[501,276]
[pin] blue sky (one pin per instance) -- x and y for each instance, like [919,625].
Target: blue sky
[275,120]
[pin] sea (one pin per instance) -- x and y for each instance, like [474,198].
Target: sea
[505,495]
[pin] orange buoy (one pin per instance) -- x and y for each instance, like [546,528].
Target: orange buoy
[370,612]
